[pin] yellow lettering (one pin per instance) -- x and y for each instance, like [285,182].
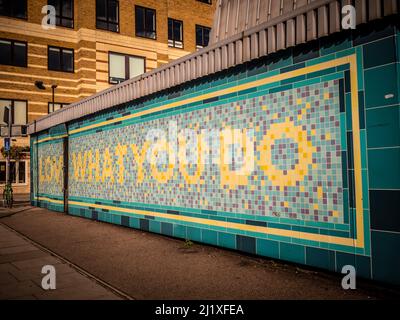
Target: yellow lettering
[57,169]
[139,158]
[79,165]
[107,167]
[195,178]
[120,152]
[93,165]
[237,176]
[159,175]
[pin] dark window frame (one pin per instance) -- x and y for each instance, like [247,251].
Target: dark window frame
[144,19]
[17,181]
[127,56]
[13,110]
[12,16]
[107,20]
[203,28]
[12,53]
[55,102]
[61,17]
[173,34]
[61,64]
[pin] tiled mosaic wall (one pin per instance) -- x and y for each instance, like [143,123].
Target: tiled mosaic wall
[47,176]
[314,134]
[305,154]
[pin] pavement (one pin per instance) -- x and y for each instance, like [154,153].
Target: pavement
[21,202]
[21,264]
[143,265]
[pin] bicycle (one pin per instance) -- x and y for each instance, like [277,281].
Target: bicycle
[8,196]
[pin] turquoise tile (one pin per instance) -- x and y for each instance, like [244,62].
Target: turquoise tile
[324,58]
[381,86]
[383,125]
[345,53]
[379,52]
[320,258]
[328,46]
[194,234]
[363,147]
[154,226]
[305,242]
[180,231]
[385,256]
[227,240]
[343,227]
[333,76]
[134,222]
[209,236]
[362,264]
[365,189]
[398,46]
[292,252]
[384,168]
[116,219]
[307,82]
[367,228]
[280,62]
[349,119]
[267,248]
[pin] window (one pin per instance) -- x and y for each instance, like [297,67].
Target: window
[202,36]
[54,107]
[61,59]
[175,33]
[206,1]
[64,12]
[19,111]
[13,8]
[107,15]
[18,172]
[13,53]
[145,22]
[123,67]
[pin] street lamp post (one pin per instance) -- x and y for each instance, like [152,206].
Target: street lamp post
[53,88]
[41,86]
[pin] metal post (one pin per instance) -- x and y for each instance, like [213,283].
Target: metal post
[8,167]
[53,88]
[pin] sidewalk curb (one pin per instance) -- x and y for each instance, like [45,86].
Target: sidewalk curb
[102,283]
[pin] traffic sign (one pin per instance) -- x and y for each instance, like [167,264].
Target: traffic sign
[7,144]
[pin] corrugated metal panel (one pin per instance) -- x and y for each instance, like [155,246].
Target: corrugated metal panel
[243,30]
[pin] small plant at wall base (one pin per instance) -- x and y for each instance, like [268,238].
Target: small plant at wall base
[187,244]
[16,152]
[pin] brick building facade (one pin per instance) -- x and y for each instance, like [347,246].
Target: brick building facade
[91,40]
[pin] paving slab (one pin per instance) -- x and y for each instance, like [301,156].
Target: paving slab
[21,264]
[151,266]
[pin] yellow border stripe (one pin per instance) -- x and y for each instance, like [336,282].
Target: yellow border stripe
[276,78]
[49,200]
[50,138]
[223,224]
[357,242]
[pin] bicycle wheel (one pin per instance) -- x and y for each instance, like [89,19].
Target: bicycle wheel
[8,201]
